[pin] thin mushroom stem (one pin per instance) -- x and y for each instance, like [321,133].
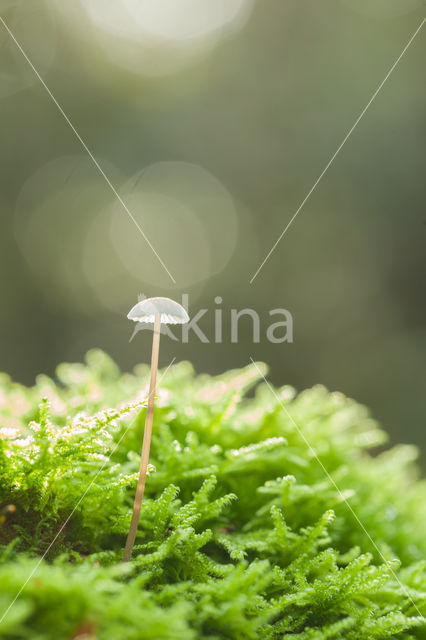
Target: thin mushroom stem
[146,442]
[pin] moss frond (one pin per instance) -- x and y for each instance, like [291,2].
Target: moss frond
[241,536]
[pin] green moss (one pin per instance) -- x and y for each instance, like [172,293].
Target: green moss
[242,533]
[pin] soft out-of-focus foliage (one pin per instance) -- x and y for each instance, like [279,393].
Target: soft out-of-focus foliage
[241,535]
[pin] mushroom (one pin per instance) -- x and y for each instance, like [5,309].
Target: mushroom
[157,311]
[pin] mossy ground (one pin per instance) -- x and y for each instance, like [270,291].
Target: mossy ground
[242,534]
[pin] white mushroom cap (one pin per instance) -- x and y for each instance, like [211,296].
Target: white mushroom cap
[171,312]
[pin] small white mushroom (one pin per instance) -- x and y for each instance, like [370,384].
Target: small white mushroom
[157,311]
[170,312]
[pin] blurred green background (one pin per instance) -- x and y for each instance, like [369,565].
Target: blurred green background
[213,119]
